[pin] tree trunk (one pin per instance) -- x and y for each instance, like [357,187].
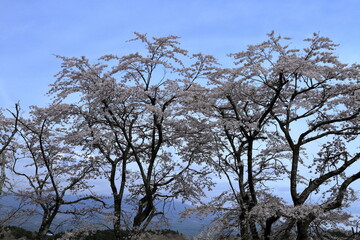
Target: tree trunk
[48,217]
[303,230]
[118,200]
[44,228]
[269,222]
[117,217]
[251,183]
[254,232]
[294,176]
[253,199]
[142,214]
[243,231]
[244,228]
[45,224]
[2,174]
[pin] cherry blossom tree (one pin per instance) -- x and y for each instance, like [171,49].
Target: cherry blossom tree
[127,112]
[264,115]
[236,110]
[51,168]
[317,110]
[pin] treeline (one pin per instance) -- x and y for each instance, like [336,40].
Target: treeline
[13,232]
[163,124]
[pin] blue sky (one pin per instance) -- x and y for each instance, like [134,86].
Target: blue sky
[32,31]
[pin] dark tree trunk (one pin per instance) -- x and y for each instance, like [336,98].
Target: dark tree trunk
[303,230]
[254,232]
[142,214]
[243,231]
[44,228]
[117,217]
[243,225]
[253,199]
[268,227]
[47,219]
[118,201]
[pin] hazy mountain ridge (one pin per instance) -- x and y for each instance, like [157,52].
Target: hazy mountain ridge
[191,226]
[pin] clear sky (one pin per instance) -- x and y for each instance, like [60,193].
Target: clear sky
[32,31]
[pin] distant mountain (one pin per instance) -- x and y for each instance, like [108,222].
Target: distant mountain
[191,226]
